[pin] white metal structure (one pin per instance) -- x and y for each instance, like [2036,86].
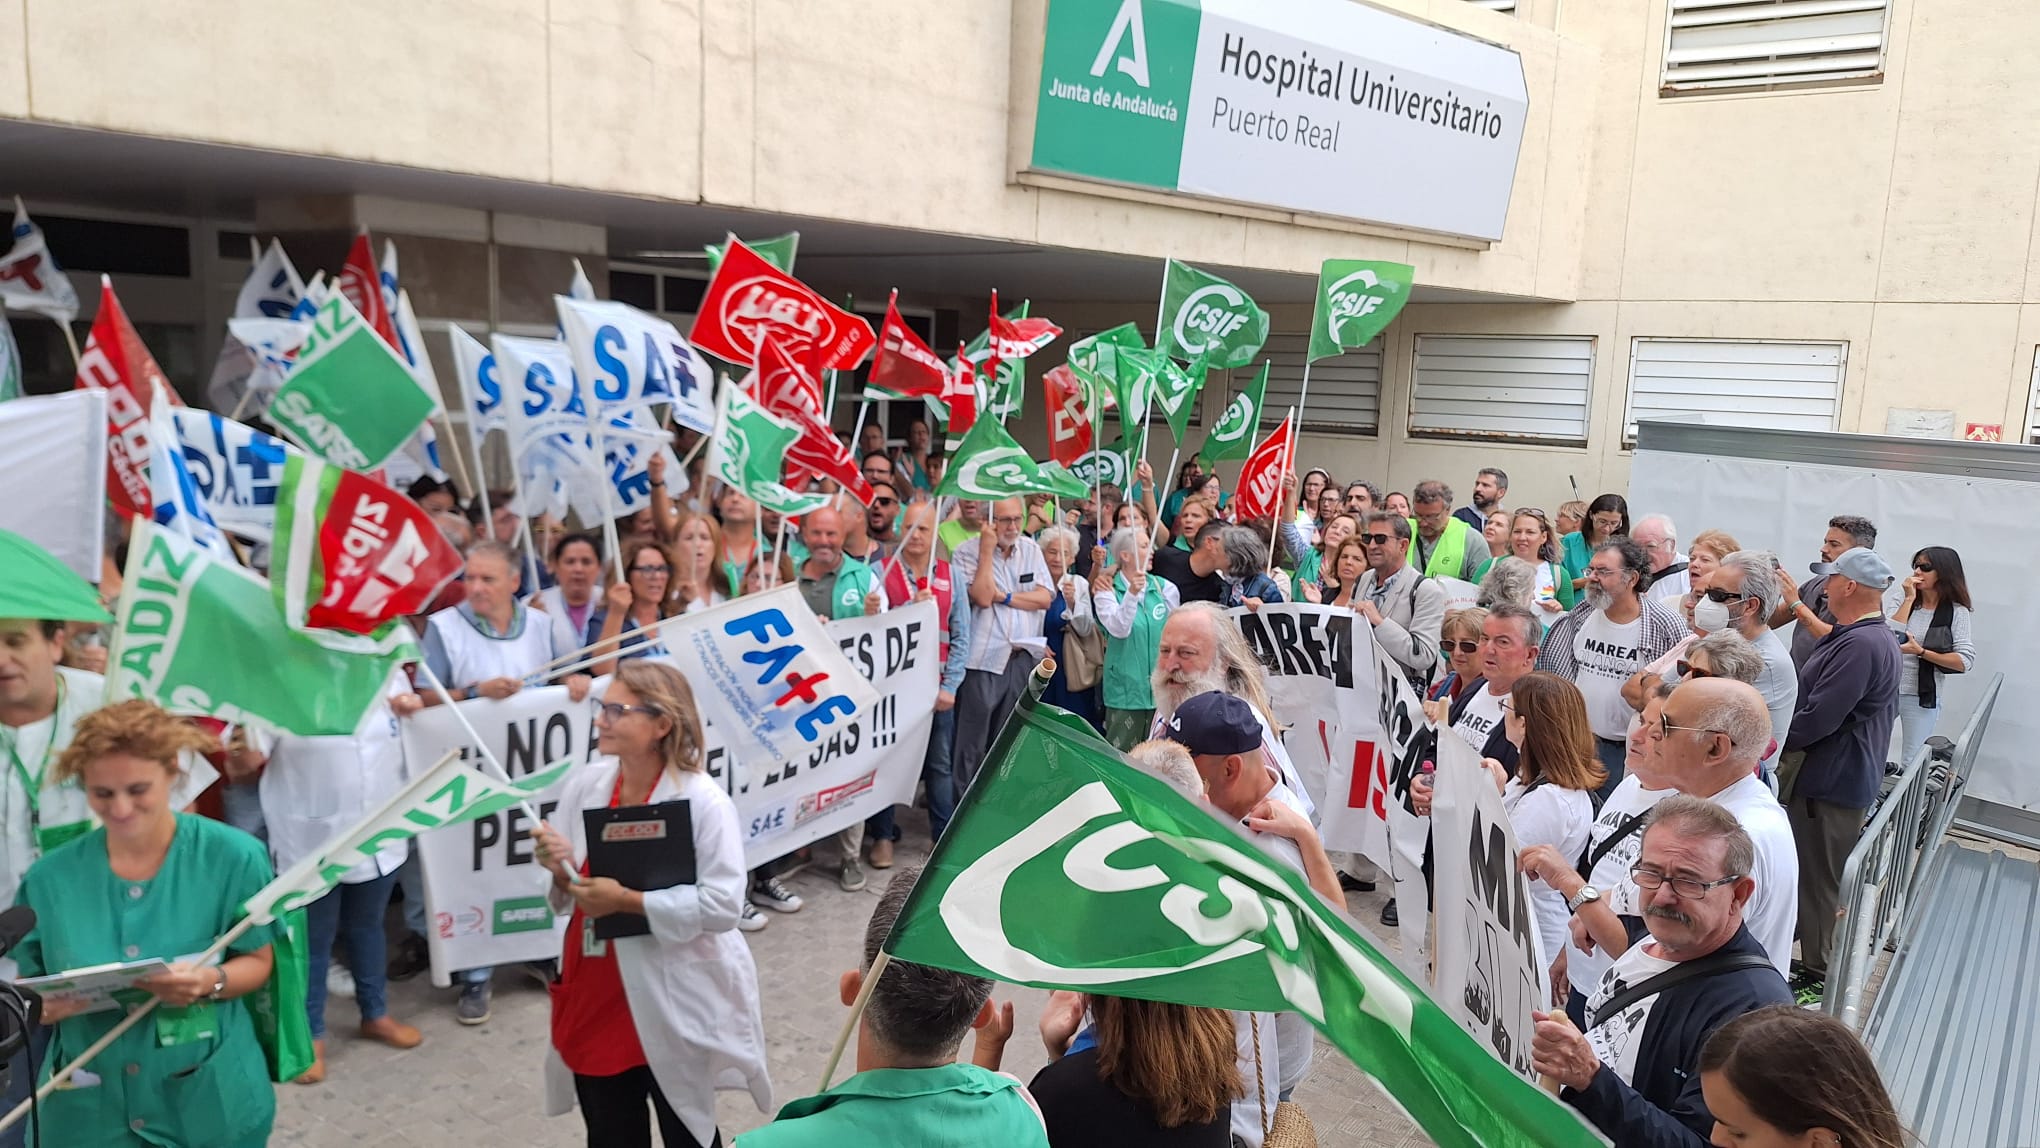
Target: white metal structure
[1725,382]
[1345,391]
[1536,388]
[1716,44]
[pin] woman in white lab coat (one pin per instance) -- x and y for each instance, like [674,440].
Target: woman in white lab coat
[673,1016]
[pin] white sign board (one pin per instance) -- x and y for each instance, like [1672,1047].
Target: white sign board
[55,447]
[1489,971]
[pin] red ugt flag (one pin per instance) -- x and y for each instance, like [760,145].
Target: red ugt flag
[115,361]
[361,282]
[750,299]
[1069,424]
[1260,492]
[904,365]
[959,395]
[793,390]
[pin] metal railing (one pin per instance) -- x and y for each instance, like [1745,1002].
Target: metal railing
[1884,871]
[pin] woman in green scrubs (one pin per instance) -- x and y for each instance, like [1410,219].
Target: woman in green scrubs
[150,882]
[1131,605]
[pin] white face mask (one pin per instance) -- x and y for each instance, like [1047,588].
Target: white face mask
[1710,616]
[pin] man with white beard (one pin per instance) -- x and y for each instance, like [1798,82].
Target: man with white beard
[1201,650]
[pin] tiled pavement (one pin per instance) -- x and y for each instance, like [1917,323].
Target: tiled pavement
[483,1085]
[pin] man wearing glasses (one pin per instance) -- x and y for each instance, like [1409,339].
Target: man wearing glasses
[1406,609]
[1010,592]
[1635,1072]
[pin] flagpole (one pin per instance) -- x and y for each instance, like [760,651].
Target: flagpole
[453,445]
[1155,527]
[488,755]
[71,340]
[1281,486]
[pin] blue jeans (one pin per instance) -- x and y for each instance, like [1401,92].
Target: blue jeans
[354,914]
[1612,755]
[411,878]
[936,774]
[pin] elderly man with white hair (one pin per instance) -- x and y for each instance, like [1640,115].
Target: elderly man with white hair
[1669,580]
[1202,650]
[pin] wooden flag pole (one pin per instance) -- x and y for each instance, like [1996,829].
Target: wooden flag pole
[488,755]
[459,462]
[70,340]
[871,976]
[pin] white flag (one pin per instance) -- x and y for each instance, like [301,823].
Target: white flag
[55,447]
[272,288]
[627,358]
[580,288]
[237,469]
[543,396]
[178,504]
[30,279]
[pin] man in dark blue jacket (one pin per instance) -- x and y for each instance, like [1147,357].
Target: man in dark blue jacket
[1848,698]
[1635,1073]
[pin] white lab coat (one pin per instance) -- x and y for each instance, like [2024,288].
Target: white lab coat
[692,986]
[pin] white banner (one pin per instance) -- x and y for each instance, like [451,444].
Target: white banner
[541,394]
[626,359]
[53,464]
[1489,971]
[862,766]
[1357,735]
[484,893]
[237,469]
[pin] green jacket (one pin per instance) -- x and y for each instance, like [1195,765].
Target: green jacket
[854,580]
[947,1104]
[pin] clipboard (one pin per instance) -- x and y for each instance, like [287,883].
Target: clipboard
[642,847]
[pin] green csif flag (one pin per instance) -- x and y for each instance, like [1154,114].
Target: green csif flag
[1232,436]
[1356,300]
[1067,868]
[200,636]
[1176,389]
[778,251]
[989,464]
[1205,315]
[1130,372]
[749,453]
[1111,464]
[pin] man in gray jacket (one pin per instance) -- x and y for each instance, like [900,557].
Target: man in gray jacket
[1405,608]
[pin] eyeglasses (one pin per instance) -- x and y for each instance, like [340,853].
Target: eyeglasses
[1599,572]
[661,569]
[1377,539]
[1006,520]
[1684,888]
[1666,727]
[1689,670]
[1463,647]
[1717,594]
[1530,512]
[614,711]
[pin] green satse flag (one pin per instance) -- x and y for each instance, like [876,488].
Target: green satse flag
[1356,300]
[349,400]
[778,251]
[1203,314]
[1067,868]
[1232,436]
[203,637]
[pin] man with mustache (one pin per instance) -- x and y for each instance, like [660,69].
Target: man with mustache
[1202,650]
[1635,1072]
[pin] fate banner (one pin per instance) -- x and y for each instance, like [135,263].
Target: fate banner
[1357,735]
[484,892]
[862,766]
[1489,969]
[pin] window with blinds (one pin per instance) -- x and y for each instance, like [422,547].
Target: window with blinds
[1503,386]
[1345,391]
[1723,382]
[1712,45]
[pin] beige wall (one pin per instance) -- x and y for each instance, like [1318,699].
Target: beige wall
[1896,216]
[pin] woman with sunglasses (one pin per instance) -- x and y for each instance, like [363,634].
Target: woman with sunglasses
[650,1023]
[1550,798]
[1532,539]
[1607,519]
[1937,636]
[633,604]
[1459,641]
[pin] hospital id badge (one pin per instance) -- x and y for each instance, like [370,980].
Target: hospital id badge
[187,1025]
[593,947]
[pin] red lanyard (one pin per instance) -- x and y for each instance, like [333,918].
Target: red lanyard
[616,791]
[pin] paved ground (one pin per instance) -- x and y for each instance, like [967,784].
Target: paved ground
[482,1085]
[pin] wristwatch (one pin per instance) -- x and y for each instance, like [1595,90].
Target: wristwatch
[220,985]
[1586,895]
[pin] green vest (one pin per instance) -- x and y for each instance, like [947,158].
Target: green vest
[1448,558]
[1130,661]
[946,1104]
[854,580]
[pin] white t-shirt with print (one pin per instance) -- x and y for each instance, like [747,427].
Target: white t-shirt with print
[1606,654]
[1480,718]
[1611,872]
[1616,1039]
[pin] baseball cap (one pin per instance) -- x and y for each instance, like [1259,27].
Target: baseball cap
[1860,565]
[1214,725]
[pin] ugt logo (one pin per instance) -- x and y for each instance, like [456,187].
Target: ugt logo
[1134,64]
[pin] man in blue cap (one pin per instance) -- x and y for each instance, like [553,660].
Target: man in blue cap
[1841,728]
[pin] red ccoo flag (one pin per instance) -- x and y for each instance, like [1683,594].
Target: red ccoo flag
[115,361]
[1069,424]
[904,366]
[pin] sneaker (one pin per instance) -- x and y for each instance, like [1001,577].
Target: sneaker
[851,877]
[749,918]
[772,893]
[409,958]
[474,1004]
[339,982]
[1810,994]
